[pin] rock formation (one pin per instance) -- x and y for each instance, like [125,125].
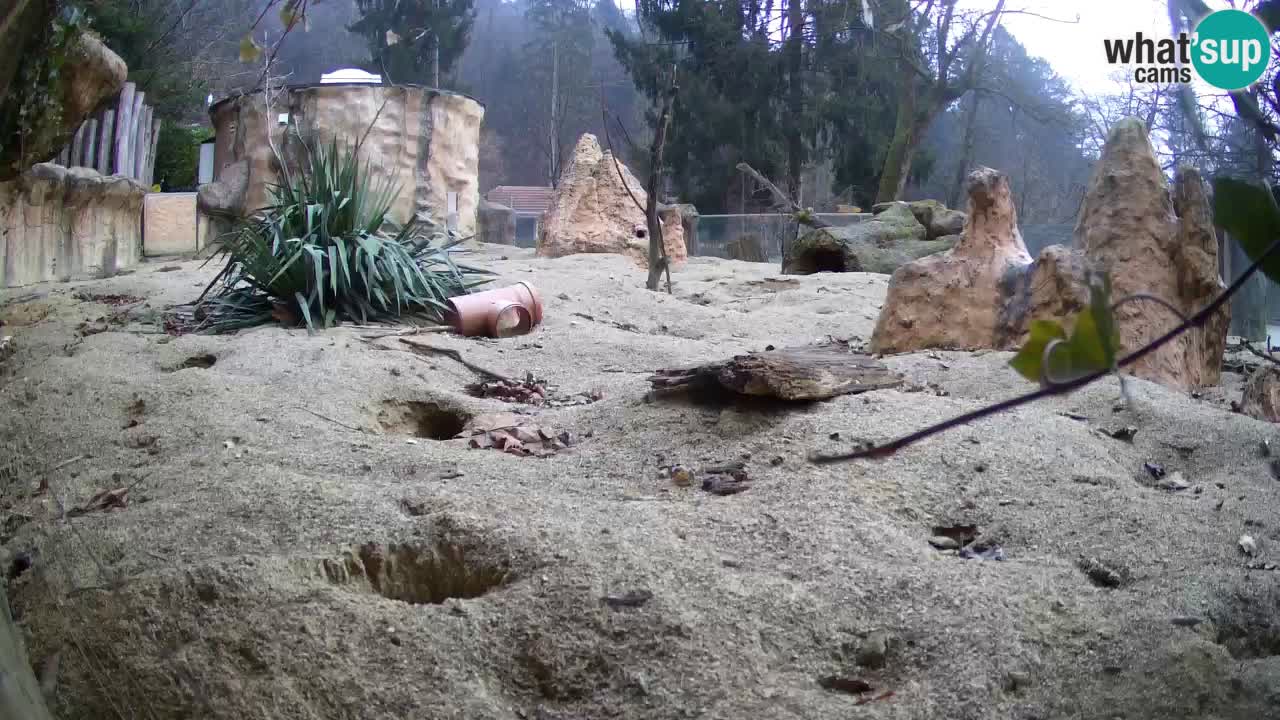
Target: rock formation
[57,223]
[881,244]
[955,299]
[426,141]
[984,292]
[495,223]
[1261,396]
[592,211]
[937,219]
[90,73]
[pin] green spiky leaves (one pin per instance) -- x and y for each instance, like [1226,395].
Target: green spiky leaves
[326,251]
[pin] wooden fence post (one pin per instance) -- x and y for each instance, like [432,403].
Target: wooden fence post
[124,107]
[106,140]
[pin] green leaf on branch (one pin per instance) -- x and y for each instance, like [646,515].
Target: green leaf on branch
[1092,346]
[289,13]
[1029,360]
[250,51]
[1248,212]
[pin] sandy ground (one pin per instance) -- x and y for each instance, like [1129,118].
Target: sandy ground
[267,470]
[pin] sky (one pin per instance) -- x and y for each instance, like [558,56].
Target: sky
[1075,49]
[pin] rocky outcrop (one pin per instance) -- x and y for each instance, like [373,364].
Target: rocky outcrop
[881,245]
[852,249]
[937,219]
[423,140]
[60,223]
[495,223]
[595,212]
[955,299]
[689,225]
[89,73]
[1153,241]
[1159,243]
[1261,396]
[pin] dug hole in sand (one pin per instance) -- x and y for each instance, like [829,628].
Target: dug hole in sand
[273,524]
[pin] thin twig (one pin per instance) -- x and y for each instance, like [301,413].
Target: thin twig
[410,331]
[329,419]
[1196,320]
[1265,356]
[457,357]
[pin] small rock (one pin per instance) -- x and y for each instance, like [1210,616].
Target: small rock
[942,542]
[1156,470]
[630,599]
[1173,482]
[873,650]
[1016,680]
[1126,433]
[681,475]
[1248,545]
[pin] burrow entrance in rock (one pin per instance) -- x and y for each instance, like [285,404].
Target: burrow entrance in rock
[421,573]
[419,418]
[816,260]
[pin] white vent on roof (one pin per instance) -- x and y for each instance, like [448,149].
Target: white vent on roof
[350,75]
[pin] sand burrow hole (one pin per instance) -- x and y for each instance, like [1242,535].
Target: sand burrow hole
[421,573]
[203,362]
[419,418]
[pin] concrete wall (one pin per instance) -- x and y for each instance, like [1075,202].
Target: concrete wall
[60,223]
[169,224]
[424,140]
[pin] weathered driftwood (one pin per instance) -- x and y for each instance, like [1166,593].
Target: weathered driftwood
[805,373]
[20,693]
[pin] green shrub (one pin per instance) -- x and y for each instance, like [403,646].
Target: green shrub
[325,252]
[178,156]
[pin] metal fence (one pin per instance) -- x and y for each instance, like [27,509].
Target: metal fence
[724,236]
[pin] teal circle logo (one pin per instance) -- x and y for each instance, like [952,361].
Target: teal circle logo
[1231,49]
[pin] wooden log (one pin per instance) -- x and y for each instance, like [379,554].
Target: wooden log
[106,140]
[151,156]
[120,152]
[77,147]
[143,137]
[91,143]
[135,117]
[20,693]
[806,373]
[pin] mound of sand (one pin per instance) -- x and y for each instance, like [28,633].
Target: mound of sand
[296,542]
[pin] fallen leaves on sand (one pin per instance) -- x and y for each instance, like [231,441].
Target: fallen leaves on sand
[530,391]
[514,434]
[109,299]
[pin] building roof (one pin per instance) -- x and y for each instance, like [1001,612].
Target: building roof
[524,199]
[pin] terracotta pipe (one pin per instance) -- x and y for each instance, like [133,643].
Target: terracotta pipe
[501,312]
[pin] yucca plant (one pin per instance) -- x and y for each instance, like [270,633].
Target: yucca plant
[324,252]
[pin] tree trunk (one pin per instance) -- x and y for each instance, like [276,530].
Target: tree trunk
[795,104]
[897,160]
[966,152]
[657,247]
[555,91]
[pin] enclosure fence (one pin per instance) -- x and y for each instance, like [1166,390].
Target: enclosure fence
[118,139]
